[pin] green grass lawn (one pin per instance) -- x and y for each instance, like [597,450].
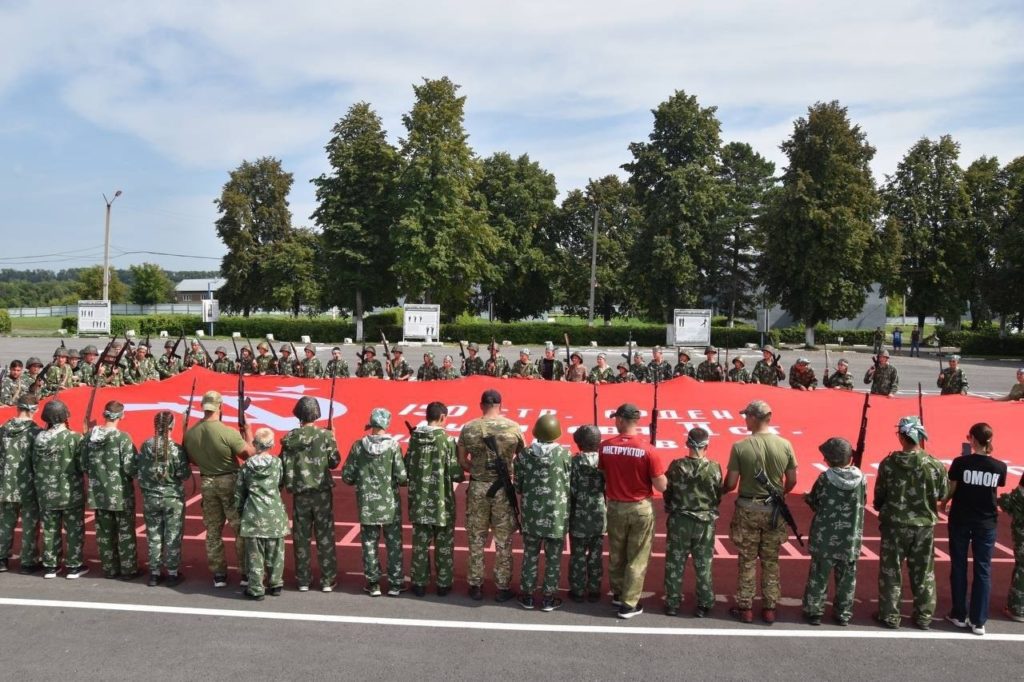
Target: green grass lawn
[34,326]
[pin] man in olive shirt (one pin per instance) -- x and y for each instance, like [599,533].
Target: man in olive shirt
[213,447]
[760,460]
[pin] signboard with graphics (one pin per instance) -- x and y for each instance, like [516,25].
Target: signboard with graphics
[94,317]
[422,321]
[211,310]
[690,327]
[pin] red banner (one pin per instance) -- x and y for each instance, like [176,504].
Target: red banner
[806,418]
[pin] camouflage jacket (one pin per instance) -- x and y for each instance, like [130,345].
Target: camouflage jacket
[55,464]
[110,376]
[263,364]
[167,366]
[428,373]
[588,512]
[336,368]
[627,378]
[312,368]
[141,371]
[57,379]
[805,378]
[481,460]
[447,374]
[375,467]
[17,483]
[837,498]
[1013,504]
[198,358]
[496,367]
[160,469]
[542,477]
[766,374]
[694,488]
[473,366]
[601,376]
[556,371]
[224,365]
[662,369]
[682,369]
[86,374]
[576,373]
[308,455]
[952,381]
[710,371]
[884,380]
[432,467]
[106,458]
[639,371]
[370,368]
[11,390]
[246,365]
[286,368]
[523,370]
[258,498]
[400,369]
[738,376]
[908,488]
[839,380]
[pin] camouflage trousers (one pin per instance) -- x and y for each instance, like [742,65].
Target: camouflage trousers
[532,545]
[482,514]
[586,563]
[10,512]
[115,541]
[756,538]
[443,539]
[687,537]
[630,534]
[370,536]
[218,509]
[264,556]
[1015,599]
[823,567]
[73,523]
[313,514]
[916,545]
[165,524]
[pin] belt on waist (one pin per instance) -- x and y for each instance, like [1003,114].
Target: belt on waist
[752,497]
[230,473]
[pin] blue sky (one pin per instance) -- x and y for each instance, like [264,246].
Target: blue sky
[162,100]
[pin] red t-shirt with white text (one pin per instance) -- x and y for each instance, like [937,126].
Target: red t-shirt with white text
[629,464]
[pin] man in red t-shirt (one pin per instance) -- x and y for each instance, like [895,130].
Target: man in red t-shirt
[631,476]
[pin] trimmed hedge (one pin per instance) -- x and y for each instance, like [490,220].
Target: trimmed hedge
[5,322]
[984,343]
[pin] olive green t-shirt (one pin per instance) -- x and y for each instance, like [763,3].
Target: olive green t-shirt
[212,446]
[765,451]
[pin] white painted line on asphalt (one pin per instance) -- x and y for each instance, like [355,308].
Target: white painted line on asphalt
[753,631]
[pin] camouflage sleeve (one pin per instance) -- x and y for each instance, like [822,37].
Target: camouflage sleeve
[813,498]
[517,463]
[880,492]
[943,378]
[131,465]
[128,455]
[398,472]
[457,474]
[895,382]
[334,456]
[350,472]
[793,381]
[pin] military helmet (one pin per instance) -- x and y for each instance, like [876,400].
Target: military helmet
[90,350]
[168,344]
[306,409]
[428,354]
[547,428]
[622,365]
[56,412]
[284,348]
[33,361]
[587,438]
[221,349]
[73,353]
[396,349]
[473,346]
[60,353]
[310,348]
[262,345]
[836,451]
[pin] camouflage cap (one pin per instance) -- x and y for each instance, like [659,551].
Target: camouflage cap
[602,356]
[473,346]
[141,346]
[548,345]
[168,344]
[212,401]
[627,411]
[622,365]
[195,342]
[758,409]
[912,428]
[657,349]
[32,361]
[836,451]
[380,418]
[90,350]
[221,350]
[73,353]
[428,355]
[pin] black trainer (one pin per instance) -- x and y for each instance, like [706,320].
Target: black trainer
[626,612]
[550,604]
[154,580]
[419,590]
[526,601]
[504,595]
[476,592]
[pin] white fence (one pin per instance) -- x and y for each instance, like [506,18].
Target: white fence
[195,308]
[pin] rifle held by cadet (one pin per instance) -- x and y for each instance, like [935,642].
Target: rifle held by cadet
[568,353]
[387,356]
[858,451]
[188,409]
[504,481]
[330,407]
[462,354]
[825,382]
[654,411]
[243,402]
[779,507]
[920,403]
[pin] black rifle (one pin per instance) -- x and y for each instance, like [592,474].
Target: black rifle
[654,410]
[104,359]
[568,353]
[462,354]
[858,452]
[920,403]
[779,507]
[387,356]
[595,402]
[504,480]
[330,408]
[409,426]
[825,380]
[243,402]
[629,350]
[300,369]
[722,369]
[238,356]
[273,353]
[174,351]
[206,353]
[779,372]
[188,408]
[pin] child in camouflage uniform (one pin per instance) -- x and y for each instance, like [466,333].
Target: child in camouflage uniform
[837,498]
[432,467]
[160,468]
[542,477]
[587,517]
[264,523]
[691,504]
[17,487]
[375,467]
[1013,504]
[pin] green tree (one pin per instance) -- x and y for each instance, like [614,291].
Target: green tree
[90,285]
[746,177]
[571,228]
[356,210]
[444,242]
[293,272]
[150,284]
[819,227]
[1007,278]
[928,199]
[254,214]
[986,189]
[519,197]
[675,177]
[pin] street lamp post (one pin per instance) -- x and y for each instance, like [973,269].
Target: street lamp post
[106,247]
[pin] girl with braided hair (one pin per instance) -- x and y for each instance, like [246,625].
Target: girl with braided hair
[161,468]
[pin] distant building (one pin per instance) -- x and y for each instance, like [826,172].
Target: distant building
[194,290]
[872,315]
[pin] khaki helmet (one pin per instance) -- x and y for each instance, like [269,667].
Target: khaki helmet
[547,428]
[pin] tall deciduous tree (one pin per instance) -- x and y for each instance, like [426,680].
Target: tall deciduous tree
[1008,263]
[356,211]
[928,199]
[254,214]
[294,278]
[985,185]
[746,179]
[442,235]
[150,284]
[819,228]
[675,177]
[519,197]
[90,285]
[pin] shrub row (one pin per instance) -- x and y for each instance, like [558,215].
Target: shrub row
[5,322]
[984,343]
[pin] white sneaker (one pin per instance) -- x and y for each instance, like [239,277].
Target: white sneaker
[50,573]
[977,629]
[76,572]
[327,588]
[303,588]
[959,623]
[244,582]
